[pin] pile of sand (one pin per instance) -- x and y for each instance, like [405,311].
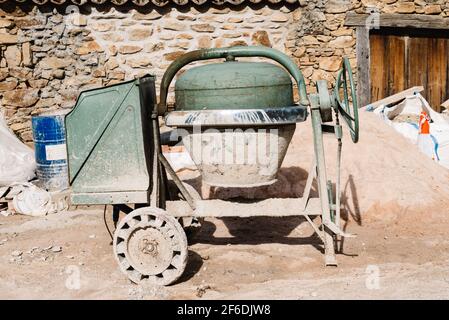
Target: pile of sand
[383,176]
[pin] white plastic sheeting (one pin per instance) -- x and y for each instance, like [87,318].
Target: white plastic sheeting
[28,199]
[413,106]
[31,200]
[180,160]
[17,162]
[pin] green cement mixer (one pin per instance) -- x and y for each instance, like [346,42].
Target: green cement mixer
[237,119]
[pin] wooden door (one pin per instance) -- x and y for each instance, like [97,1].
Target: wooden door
[403,59]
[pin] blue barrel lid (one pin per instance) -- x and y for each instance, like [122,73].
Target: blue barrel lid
[49,126]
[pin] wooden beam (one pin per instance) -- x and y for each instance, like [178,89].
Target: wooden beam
[363,66]
[399,20]
[395,97]
[445,104]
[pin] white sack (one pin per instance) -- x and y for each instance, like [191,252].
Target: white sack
[31,200]
[439,126]
[17,162]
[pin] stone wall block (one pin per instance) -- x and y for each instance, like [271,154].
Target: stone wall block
[20,98]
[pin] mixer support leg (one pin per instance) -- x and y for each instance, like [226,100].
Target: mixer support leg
[329,248]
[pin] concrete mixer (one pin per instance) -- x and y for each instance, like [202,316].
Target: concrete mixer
[236,118]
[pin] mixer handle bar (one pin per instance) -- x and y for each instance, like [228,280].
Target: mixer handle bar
[239,51]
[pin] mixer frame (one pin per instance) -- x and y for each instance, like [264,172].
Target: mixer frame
[134,245]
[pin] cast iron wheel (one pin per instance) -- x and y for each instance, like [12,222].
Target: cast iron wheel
[149,244]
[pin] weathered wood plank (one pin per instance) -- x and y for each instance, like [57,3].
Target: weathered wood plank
[418,58]
[399,20]
[363,66]
[438,69]
[378,67]
[397,66]
[395,98]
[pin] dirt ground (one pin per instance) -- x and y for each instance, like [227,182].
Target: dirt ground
[401,251]
[233,259]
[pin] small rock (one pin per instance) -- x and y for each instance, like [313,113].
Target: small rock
[70,257]
[173,26]
[150,16]
[261,38]
[203,27]
[58,74]
[128,49]
[48,248]
[139,34]
[405,7]
[8,38]
[92,236]
[55,63]
[279,17]
[16,253]
[173,55]
[201,290]
[56,249]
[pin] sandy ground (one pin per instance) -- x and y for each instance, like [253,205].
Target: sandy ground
[233,259]
[401,249]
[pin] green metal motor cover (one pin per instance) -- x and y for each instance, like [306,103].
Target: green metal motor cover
[109,143]
[234,85]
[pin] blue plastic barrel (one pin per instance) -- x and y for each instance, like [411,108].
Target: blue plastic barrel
[50,150]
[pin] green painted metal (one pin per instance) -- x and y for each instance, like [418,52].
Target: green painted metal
[329,250]
[230,53]
[350,115]
[325,100]
[234,85]
[108,142]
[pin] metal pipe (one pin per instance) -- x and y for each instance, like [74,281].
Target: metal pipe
[190,200]
[239,51]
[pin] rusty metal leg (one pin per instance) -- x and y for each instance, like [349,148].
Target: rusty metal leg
[329,248]
[155,171]
[115,215]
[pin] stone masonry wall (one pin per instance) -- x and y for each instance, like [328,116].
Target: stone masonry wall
[48,54]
